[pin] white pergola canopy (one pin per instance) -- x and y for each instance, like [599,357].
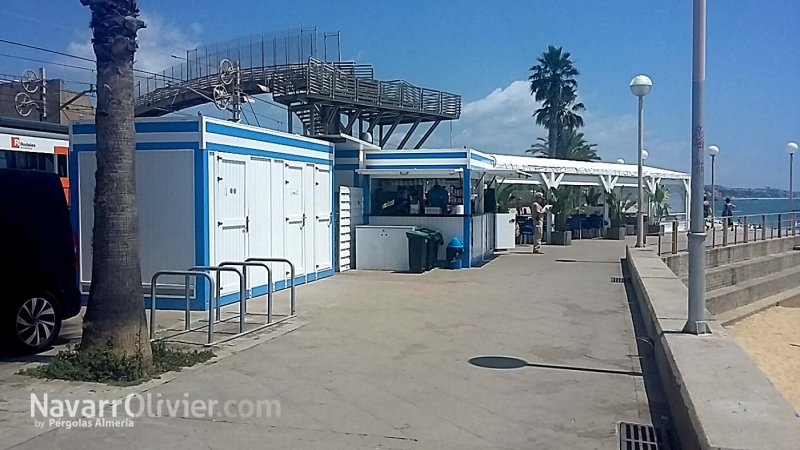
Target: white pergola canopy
[553,173]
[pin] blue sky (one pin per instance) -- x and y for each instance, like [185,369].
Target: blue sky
[483,50]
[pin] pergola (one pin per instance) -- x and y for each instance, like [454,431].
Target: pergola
[552,173]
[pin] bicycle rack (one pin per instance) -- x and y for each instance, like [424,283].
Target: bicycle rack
[242,298]
[187,312]
[291,274]
[244,266]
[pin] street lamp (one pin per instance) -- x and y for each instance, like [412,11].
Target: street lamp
[713,151]
[791,147]
[640,86]
[620,161]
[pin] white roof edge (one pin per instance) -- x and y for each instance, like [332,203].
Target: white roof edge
[592,168]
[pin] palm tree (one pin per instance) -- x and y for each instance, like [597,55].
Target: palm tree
[572,145]
[115,314]
[553,83]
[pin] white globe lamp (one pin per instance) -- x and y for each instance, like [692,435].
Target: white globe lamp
[713,150]
[641,85]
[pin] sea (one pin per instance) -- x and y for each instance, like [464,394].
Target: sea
[753,206]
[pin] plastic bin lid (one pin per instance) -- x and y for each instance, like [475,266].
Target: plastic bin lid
[416,235]
[455,243]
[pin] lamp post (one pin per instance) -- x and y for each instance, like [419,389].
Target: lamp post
[640,86]
[791,147]
[647,194]
[696,322]
[713,151]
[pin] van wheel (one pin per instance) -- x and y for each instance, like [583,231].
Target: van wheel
[37,323]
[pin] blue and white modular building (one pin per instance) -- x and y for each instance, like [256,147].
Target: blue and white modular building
[211,191]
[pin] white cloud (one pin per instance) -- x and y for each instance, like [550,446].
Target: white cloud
[157,43]
[502,122]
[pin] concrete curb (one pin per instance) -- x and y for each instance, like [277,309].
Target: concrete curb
[718,397]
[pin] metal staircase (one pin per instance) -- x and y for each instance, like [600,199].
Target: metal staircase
[328,97]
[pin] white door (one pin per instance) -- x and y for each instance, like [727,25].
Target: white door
[294,213]
[323,251]
[309,224]
[259,210]
[505,231]
[230,207]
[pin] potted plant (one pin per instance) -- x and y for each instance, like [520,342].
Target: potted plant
[561,201]
[659,206]
[617,206]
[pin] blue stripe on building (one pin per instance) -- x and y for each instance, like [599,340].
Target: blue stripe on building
[226,130]
[419,166]
[255,152]
[146,127]
[145,146]
[347,153]
[416,155]
[482,159]
[202,235]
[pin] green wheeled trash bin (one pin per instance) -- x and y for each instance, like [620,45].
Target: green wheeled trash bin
[435,239]
[417,251]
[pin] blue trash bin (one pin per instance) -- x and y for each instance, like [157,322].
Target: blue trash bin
[455,249]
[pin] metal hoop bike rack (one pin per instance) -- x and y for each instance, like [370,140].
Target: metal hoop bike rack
[242,298]
[187,311]
[291,274]
[244,266]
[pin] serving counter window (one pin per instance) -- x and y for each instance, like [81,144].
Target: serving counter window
[416,196]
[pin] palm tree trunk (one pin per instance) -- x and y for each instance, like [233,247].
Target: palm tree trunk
[115,313]
[552,136]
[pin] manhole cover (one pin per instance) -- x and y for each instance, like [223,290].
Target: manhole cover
[637,436]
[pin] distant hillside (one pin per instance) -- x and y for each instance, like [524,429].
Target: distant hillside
[767,192]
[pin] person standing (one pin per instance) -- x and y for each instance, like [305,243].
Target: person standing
[538,211]
[727,212]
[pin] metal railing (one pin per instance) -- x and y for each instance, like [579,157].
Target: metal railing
[293,305]
[188,310]
[215,296]
[732,230]
[244,266]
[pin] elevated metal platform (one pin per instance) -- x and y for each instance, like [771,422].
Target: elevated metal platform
[327,97]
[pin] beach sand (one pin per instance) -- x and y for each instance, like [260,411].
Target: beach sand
[772,339]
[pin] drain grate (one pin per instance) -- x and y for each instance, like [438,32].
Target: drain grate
[619,279]
[637,436]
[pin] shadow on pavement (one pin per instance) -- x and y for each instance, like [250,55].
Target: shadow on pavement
[504,362]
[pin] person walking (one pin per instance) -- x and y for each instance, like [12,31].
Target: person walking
[537,212]
[727,212]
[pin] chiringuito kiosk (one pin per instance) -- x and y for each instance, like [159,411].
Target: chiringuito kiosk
[211,191]
[449,190]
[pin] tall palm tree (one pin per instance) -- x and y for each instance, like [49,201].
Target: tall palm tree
[553,83]
[115,313]
[571,145]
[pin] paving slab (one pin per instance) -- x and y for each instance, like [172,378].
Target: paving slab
[387,360]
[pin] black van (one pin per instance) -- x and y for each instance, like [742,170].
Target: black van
[38,278]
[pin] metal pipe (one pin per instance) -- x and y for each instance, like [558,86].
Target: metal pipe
[291,273]
[746,231]
[780,225]
[153,282]
[725,222]
[219,269]
[763,227]
[269,281]
[187,315]
[675,237]
[639,187]
[696,323]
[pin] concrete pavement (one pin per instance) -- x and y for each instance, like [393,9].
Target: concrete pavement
[383,360]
